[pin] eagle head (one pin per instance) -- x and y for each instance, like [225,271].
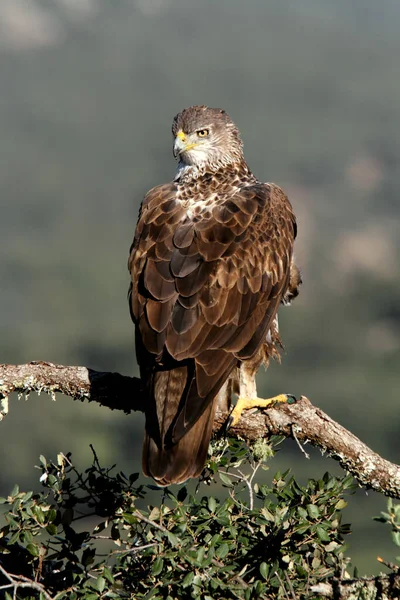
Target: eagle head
[206,138]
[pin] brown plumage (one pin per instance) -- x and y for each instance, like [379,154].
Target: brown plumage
[210,264]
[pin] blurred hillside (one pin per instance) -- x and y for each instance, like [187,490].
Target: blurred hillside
[88,92]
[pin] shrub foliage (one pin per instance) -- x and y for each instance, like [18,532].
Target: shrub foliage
[94,534]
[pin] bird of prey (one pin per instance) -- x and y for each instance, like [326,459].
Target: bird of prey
[211,261]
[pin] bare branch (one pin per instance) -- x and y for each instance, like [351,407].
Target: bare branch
[141,517]
[17,582]
[384,587]
[108,389]
[118,392]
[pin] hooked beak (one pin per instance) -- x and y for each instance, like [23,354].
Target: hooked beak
[181,145]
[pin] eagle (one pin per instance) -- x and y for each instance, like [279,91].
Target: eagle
[210,264]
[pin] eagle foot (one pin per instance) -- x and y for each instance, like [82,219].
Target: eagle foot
[247,403]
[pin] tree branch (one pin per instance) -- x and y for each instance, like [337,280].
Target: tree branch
[301,419]
[381,586]
[17,582]
[112,390]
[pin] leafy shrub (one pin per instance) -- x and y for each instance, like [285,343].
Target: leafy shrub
[88,535]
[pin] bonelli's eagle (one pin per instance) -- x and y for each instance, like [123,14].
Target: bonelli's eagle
[211,261]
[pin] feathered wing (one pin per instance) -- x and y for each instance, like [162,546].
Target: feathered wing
[206,286]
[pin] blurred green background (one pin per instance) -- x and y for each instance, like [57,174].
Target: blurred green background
[88,92]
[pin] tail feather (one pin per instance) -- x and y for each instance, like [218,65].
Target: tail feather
[183,460]
[165,462]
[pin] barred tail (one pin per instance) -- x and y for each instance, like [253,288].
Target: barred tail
[168,462]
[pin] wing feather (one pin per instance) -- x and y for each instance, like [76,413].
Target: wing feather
[206,285]
[188,286]
[183,236]
[183,264]
[184,319]
[159,314]
[155,284]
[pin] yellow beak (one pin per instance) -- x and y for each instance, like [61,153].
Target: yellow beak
[181,135]
[181,144]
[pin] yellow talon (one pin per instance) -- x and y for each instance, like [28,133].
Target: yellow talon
[247,403]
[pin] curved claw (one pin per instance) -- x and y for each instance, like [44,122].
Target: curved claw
[291,398]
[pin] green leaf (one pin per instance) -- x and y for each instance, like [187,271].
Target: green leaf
[396,537]
[226,480]
[107,574]
[348,482]
[129,518]
[51,480]
[259,589]
[216,539]
[212,504]
[26,537]
[52,515]
[313,511]
[302,512]
[322,534]
[15,491]
[222,550]
[51,529]
[100,583]
[264,570]
[223,521]
[316,562]
[300,570]
[33,549]
[196,590]
[188,579]
[158,566]
[39,515]
[200,556]
[27,497]
[172,538]
[14,538]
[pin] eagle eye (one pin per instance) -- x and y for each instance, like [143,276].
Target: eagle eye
[202,133]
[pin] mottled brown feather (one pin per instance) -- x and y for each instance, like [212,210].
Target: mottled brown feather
[159,314]
[155,284]
[183,236]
